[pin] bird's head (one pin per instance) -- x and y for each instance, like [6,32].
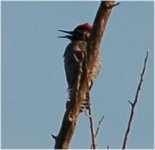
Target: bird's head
[80,33]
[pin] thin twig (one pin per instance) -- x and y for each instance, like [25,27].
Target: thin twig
[97,130]
[92,127]
[133,104]
[99,125]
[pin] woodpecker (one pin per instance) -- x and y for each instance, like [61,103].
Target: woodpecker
[73,58]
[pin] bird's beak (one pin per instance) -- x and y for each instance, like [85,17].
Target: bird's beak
[68,32]
[66,36]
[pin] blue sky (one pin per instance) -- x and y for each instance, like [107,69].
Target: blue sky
[34,88]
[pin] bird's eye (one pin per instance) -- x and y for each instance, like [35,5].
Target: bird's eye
[79,32]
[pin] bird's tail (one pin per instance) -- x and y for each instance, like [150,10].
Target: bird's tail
[85,103]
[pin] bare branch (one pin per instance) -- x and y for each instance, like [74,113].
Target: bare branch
[70,119]
[133,104]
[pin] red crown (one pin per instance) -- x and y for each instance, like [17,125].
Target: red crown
[86,26]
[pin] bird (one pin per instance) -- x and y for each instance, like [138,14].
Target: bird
[74,55]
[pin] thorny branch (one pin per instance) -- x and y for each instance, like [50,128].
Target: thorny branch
[133,104]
